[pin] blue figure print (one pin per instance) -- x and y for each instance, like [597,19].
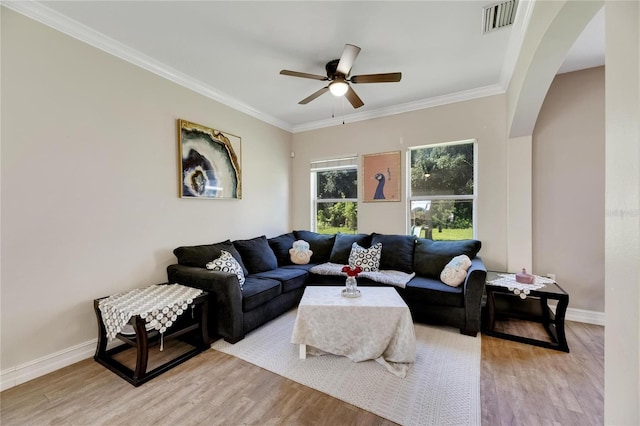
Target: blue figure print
[379,195]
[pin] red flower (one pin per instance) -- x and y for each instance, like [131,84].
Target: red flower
[352,272]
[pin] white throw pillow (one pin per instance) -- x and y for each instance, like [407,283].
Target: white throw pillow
[227,263]
[456,270]
[367,259]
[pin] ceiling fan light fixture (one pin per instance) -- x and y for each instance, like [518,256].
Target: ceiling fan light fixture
[337,72]
[338,87]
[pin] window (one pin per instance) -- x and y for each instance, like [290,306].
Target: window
[442,194]
[334,191]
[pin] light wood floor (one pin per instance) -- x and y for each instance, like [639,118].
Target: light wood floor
[520,385]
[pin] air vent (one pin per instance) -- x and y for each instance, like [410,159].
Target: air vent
[498,15]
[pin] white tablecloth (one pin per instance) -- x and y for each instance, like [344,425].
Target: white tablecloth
[159,305]
[377,325]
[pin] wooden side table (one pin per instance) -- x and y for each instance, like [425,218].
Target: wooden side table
[503,303]
[194,321]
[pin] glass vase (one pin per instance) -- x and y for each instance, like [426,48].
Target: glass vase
[352,286]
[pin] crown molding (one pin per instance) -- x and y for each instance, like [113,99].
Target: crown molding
[41,13]
[465,95]
[72,28]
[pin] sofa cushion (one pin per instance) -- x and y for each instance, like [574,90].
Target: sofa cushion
[342,246]
[256,254]
[434,292]
[280,246]
[227,263]
[199,256]
[431,257]
[258,291]
[289,277]
[306,267]
[320,244]
[397,251]
[367,259]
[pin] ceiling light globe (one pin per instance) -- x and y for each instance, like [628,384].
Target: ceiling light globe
[338,88]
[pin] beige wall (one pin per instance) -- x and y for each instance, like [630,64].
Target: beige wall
[568,187]
[571,122]
[85,211]
[622,214]
[481,119]
[89,184]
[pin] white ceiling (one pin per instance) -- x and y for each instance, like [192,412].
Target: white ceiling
[233,51]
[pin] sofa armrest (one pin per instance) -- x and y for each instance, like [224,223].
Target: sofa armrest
[225,297]
[473,292]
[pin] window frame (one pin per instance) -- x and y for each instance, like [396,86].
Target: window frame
[342,163]
[473,197]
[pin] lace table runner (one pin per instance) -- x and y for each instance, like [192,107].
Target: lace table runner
[159,305]
[521,289]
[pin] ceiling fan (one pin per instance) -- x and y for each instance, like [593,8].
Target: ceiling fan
[338,74]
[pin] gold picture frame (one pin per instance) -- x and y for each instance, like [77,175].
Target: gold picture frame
[381,177]
[208,162]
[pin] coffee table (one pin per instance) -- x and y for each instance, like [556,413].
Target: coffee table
[377,325]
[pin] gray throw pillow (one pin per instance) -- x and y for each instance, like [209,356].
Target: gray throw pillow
[397,251]
[256,254]
[197,256]
[320,244]
[281,246]
[342,246]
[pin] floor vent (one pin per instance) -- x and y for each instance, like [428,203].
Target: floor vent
[498,15]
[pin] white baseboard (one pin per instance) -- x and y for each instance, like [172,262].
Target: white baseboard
[30,370]
[581,315]
[587,317]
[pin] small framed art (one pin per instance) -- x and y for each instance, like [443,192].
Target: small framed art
[381,177]
[209,162]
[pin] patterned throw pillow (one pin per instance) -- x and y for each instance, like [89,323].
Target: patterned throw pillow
[456,271]
[367,259]
[227,263]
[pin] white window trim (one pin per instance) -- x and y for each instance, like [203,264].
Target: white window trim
[473,197]
[331,164]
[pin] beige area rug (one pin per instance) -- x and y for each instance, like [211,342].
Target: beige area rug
[441,388]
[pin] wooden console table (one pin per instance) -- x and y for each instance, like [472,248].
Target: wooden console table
[502,303]
[193,320]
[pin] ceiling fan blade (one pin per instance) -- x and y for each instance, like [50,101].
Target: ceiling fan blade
[313,96]
[349,55]
[304,75]
[353,98]
[392,77]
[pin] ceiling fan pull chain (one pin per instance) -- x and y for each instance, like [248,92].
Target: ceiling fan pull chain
[343,113]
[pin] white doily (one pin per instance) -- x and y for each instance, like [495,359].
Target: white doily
[521,289]
[159,305]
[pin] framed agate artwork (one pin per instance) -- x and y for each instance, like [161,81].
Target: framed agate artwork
[208,162]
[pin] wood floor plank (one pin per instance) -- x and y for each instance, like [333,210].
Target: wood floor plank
[520,385]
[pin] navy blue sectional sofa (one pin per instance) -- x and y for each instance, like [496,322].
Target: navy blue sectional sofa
[273,284]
